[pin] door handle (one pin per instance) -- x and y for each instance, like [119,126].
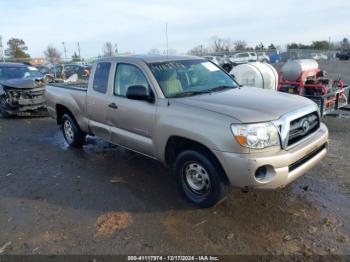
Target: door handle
[113,105]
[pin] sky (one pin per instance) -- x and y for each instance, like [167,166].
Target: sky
[139,25]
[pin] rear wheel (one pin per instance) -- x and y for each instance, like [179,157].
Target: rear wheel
[199,178]
[72,132]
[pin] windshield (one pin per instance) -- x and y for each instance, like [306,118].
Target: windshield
[8,72]
[190,77]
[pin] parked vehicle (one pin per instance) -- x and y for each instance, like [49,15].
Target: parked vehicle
[263,57]
[244,57]
[21,90]
[43,69]
[65,71]
[215,59]
[192,116]
[319,56]
[344,55]
[274,56]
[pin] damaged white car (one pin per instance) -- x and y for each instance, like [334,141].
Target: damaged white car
[21,91]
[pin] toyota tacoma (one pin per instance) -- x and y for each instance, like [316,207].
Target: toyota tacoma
[192,116]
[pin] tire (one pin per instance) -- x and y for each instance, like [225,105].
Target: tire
[265,61]
[199,178]
[72,132]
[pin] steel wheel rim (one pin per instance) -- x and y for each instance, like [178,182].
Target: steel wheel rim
[196,178]
[68,131]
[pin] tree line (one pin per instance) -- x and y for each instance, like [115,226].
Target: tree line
[227,45]
[17,48]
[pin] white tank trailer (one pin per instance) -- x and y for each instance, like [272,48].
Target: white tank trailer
[256,74]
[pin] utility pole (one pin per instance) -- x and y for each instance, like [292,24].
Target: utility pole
[2,50]
[65,51]
[116,49]
[78,44]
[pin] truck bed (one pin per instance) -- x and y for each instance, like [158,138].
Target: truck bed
[68,95]
[79,86]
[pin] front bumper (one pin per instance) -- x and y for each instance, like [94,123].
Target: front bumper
[25,102]
[282,167]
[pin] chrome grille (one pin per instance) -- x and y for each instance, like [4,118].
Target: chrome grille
[303,127]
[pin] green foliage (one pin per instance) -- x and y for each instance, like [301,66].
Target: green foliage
[76,57]
[320,45]
[271,47]
[16,48]
[298,46]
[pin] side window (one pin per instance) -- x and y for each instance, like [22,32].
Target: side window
[128,75]
[100,83]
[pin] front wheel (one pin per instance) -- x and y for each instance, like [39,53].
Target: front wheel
[72,132]
[199,178]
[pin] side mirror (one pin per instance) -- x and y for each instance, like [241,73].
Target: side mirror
[139,92]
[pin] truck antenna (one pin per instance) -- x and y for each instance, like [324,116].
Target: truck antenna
[167,40]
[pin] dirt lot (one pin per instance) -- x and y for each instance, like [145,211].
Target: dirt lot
[105,200]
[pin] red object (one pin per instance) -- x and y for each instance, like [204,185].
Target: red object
[311,85]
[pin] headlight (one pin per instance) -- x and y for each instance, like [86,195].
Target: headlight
[256,136]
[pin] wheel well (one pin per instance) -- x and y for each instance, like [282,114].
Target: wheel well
[60,111]
[176,145]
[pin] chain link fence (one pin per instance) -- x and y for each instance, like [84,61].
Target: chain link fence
[292,54]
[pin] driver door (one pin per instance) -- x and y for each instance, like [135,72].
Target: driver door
[132,121]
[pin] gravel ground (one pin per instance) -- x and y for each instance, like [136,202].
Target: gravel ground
[103,199]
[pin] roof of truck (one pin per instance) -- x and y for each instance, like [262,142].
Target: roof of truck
[152,58]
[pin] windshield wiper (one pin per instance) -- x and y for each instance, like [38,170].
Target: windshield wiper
[190,93]
[219,88]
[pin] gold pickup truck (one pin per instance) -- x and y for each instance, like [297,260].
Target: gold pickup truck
[192,116]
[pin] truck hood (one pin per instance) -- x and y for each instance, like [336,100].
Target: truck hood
[22,83]
[248,104]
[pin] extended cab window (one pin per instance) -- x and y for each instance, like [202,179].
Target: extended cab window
[128,75]
[100,83]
